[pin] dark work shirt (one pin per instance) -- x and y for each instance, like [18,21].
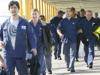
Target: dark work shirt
[69,28]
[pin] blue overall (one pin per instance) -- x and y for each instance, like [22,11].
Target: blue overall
[87,28]
[68,28]
[40,46]
[16,57]
[57,41]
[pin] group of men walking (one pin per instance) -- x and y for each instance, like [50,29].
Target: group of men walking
[36,38]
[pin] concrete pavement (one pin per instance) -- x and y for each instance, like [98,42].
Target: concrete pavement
[59,67]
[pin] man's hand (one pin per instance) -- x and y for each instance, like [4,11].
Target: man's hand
[2,44]
[34,50]
[60,34]
[3,65]
[80,31]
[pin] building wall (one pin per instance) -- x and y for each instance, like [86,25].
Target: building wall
[44,8]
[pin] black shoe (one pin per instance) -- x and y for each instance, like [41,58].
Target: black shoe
[50,71]
[72,71]
[90,65]
[59,58]
[55,58]
[77,60]
[68,69]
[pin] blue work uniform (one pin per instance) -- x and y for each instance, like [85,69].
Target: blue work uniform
[40,46]
[57,41]
[69,28]
[15,57]
[87,26]
[81,37]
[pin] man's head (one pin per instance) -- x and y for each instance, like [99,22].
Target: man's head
[42,17]
[96,15]
[35,14]
[71,12]
[82,13]
[60,13]
[13,7]
[89,14]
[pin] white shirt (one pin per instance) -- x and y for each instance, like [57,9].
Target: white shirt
[12,29]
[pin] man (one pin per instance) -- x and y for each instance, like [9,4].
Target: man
[97,19]
[15,32]
[67,31]
[48,43]
[37,26]
[81,36]
[88,23]
[57,42]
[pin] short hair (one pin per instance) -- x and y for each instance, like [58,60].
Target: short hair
[82,10]
[11,3]
[90,11]
[60,12]
[42,17]
[35,10]
[72,9]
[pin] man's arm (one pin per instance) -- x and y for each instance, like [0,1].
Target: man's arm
[1,35]
[2,63]
[1,59]
[2,45]
[1,32]
[59,31]
[31,39]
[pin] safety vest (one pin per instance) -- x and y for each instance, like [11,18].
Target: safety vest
[97,33]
